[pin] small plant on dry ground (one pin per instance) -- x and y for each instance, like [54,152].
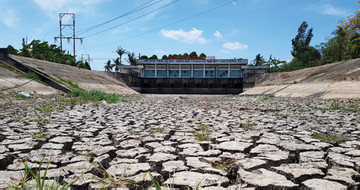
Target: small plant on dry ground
[157,130]
[17,117]
[40,180]
[83,96]
[350,107]
[110,180]
[248,125]
[133,132]
[329,138]
[34,77]
[155,184]
[202,133]
[267,97]
[20,97]
[40,120]
[221,167]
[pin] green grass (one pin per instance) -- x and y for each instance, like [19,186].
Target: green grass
[40,180]
[33,76]
[202,133]
[109,180]
[70,84]
[41,120]
[47,110]
[133,132]
[96,95]
[157,130]
[221,167]
[332,139]
[2,95]
[267,97]
[351,107]
[96,104]
[249,125]
[287,133]
[10,68]
[20,97]
[88,153]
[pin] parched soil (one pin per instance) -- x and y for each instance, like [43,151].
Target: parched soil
[214,142]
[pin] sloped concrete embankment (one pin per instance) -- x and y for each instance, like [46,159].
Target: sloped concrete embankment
[333,81]
[13,80]
[86,79]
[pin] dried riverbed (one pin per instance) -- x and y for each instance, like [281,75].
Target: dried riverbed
[212,142]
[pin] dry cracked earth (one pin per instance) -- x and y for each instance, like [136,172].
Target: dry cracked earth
[211,142]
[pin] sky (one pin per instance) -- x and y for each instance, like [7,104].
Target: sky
[225,29]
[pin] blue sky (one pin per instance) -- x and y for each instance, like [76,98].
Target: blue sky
[241,28]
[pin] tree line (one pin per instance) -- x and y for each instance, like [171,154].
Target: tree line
[343,45]
[43,51]
[131,58]
[192,55]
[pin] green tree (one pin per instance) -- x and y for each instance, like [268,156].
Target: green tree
[153,57]
[202,56]
[303,53]
[12,50]
[117,63]
[193,55]
[275,64]
[185,56]
[108,66]
[179,56]
[87,65]
[340,38]
[164,57]
[144,57]
[259,60]
[131,58]
[302,39]
[120,51]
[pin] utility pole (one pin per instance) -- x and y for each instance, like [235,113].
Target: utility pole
[71,26]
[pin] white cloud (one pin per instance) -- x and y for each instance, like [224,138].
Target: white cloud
[234,45]
[217,34]
[190,37]
[330,10]
[9,18]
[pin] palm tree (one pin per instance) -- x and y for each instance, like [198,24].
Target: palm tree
[131,59]
[120,51]
[259,60]
[108,66]
[340,33]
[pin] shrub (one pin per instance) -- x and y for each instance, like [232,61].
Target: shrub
[96,95]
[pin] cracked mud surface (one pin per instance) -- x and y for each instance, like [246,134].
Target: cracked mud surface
[253,142]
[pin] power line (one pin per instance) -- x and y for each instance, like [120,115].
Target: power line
[141,7]
[173,23]
[132,19]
